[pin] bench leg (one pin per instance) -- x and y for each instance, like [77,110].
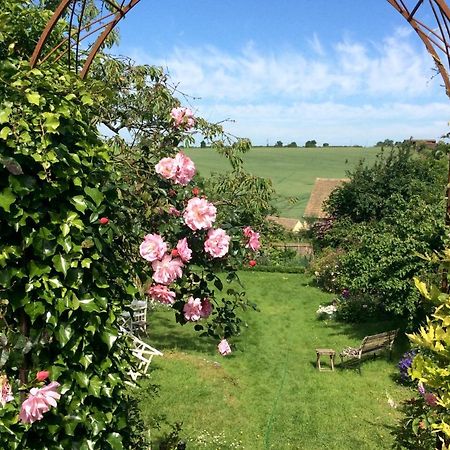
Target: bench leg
[318,362]
[332,362]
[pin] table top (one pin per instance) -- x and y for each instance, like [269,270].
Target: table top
[325,351]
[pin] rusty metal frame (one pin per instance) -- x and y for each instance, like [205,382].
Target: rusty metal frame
[79,33]
[436,39]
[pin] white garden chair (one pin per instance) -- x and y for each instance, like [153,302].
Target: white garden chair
[142,351]
[136,322]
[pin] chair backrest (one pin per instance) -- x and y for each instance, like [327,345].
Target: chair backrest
[378,341]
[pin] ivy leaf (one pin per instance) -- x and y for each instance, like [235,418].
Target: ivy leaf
[34,310]
[79,202]
[95,386]
[89,305]
[95,194]
[7,198]
[37,269]
[61,263]
[4,357]
[86,99]
[63,334]
[115,441]
[108,337]
[4,114]
[33,98]
[51,123]
[5,132]
[81,378]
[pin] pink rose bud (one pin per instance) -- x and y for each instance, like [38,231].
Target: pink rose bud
[195,191]
[174,252]
[104,220]
[172,193]
[42,375]
[252,263]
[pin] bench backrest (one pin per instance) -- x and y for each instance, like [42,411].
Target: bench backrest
[376,342]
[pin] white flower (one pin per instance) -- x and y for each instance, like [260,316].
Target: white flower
[330,309]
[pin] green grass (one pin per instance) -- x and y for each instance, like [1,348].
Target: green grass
[268,393]
[292,170]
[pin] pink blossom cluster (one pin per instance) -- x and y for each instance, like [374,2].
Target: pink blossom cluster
[196,309]
[5,391]
[253,242]
[39,401]
[199,214]
[183,116]
[217,243]
[180,169]
[224,347]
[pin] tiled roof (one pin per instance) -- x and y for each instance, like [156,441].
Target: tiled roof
[286,223]
[322,189]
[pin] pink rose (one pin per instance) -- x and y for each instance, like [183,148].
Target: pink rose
[183,116]
[253,239]
[185,169]
[167,270]
[224,347]
[206,308]
[42,375]
[161,294]
[199,214]
[39,402]
[193,309]
[217,243]
[5,391]
[167,168]
[180,169]
[153,247]
[184,252]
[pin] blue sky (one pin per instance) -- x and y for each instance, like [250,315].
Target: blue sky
[338,71]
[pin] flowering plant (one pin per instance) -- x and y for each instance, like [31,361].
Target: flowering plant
[405,363]
[191,239]
[326,312]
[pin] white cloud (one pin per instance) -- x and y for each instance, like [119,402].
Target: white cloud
[350,92]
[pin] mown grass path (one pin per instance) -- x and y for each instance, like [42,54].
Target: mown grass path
[268,393]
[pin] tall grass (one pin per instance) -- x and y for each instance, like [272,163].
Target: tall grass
[292,170]
[268,393]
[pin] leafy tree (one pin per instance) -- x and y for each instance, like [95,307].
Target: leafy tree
[385,143]
[278,144]
[202,144]
[292,144]
[311,144]
[325,144]
[383,219]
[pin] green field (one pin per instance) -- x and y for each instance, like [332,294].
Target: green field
[268,394]
[292,170]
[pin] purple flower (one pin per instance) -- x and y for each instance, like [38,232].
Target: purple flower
[421,388]
[405,364]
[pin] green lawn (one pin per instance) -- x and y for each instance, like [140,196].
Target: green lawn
[268,394]
[292,170]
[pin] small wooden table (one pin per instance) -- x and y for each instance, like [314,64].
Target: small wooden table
[327,352]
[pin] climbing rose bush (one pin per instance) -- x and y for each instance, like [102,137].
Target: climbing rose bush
[185,257]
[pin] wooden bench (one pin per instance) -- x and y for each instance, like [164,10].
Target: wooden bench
[370,345]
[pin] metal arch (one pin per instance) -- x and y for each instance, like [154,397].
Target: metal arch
[437,37]
[78,31]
